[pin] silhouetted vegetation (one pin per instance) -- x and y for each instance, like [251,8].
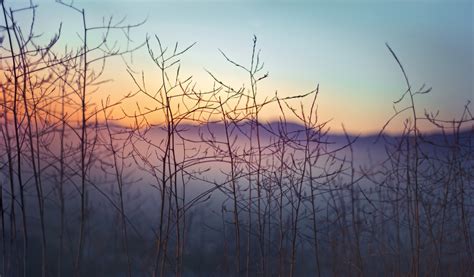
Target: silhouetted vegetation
[213,189]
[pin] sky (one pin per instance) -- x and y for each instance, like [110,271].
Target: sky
[339,45]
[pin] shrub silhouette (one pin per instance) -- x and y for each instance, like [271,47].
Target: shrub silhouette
[213,189]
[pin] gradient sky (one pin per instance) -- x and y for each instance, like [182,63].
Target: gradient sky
[338,44]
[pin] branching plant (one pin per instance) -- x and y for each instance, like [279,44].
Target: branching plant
[176,179]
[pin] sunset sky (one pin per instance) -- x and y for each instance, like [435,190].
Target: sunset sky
[337,44]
